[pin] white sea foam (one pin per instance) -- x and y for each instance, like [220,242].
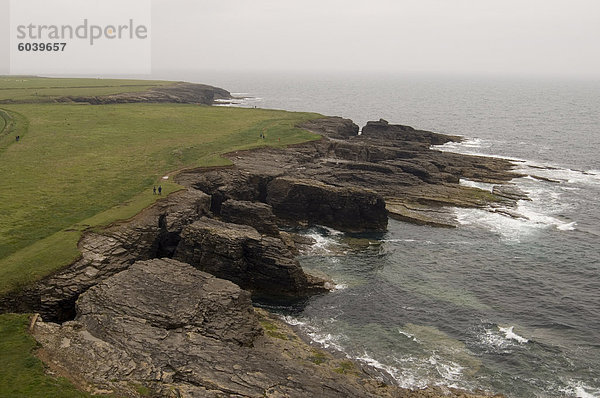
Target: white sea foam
[511,335]
[449,371]
[332,231]
[567,226]
[470,146]
[528,217]
[326,241]
[509,228]
[322,245]
[392,371]
[580,390]
[292,321]
[326,340]
[560,174]
[474,184]
[410,336]
[240,102]
[399,240]
[469,143]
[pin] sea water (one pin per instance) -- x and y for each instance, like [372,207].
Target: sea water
[504,304]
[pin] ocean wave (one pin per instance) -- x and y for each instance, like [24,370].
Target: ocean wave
[426,242]
[238,102]
[511,228]
[323,245]
[444,363]
[546,208]
[563,175]
[406,334]
[509,334]
[340,286]
[448,370]
[475,184]
[470,146]
[567,227]
[407,382]
[499,340]
[468,143]
[324,339]
[580,390]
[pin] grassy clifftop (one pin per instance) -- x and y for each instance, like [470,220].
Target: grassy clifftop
[78,166]
[39,89]
[81,166]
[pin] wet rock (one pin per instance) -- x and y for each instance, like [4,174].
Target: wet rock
[395,162]
[510,191]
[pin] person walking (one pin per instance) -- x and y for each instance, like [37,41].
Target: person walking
[154,190]
[159,189]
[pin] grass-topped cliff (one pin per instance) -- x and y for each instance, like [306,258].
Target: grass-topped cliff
[79,166]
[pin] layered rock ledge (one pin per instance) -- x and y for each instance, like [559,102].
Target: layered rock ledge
[353,182]
[183,93]
[166,329]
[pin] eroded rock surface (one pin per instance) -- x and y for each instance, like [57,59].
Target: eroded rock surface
[351,209]
[395,163]
[239,253]
[256,214]
[179,332]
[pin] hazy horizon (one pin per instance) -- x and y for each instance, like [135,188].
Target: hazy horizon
[554,38]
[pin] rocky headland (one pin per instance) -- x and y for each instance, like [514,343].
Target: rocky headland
[161,304]
[181,93]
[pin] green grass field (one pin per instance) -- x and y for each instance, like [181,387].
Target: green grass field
[38,89]
[22,375]
[80,166]
[74,162]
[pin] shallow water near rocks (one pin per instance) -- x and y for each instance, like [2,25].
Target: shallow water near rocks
[509,304]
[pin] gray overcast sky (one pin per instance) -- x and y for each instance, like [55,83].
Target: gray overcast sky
[522,37]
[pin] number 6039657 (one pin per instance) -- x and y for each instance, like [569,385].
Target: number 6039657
[41,46]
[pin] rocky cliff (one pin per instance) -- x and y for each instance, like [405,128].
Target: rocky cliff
[184,93]
[157,301]
[163,328]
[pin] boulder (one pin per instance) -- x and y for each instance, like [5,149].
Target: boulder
[239,253]
[332,127]
[383,130]
[167,294]
[256,214]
